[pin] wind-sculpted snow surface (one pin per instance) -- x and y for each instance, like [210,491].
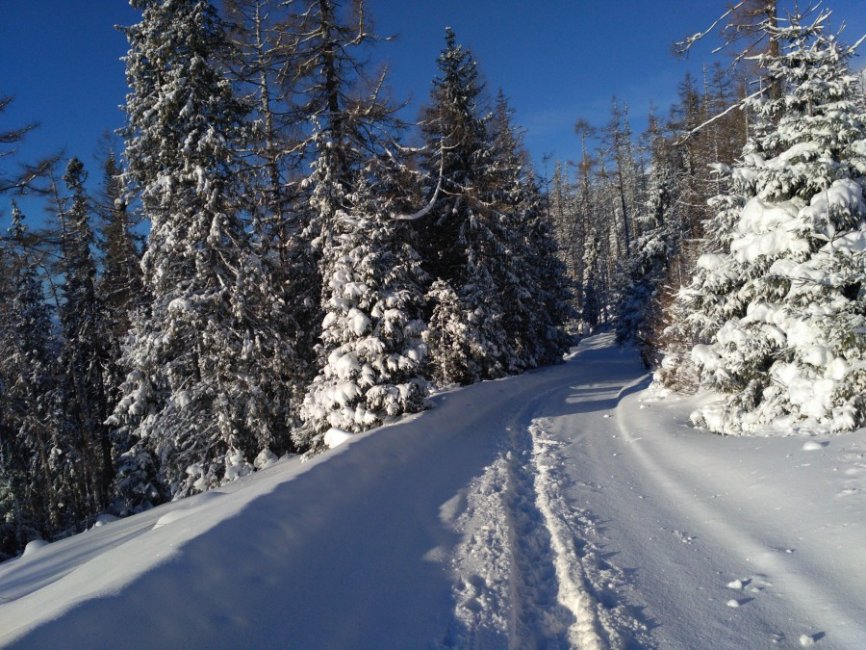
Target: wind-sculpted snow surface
[565,508]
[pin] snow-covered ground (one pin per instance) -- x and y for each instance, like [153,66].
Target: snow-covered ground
[564,508]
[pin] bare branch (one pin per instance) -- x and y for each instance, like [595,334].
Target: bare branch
[730,108]
[682,47]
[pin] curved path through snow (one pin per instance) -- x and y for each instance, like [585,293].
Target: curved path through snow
[556,509]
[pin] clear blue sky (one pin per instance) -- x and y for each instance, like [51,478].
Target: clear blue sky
[556,59]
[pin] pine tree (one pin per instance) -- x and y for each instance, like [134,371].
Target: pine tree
[206,392]
[454,343]
[370,354]
[569,230]
[552,291]
[457,151]
[119,285]
[658,237]
[371,334]
[31,491]
[84,356]
[781,293]
[463,237]
[530,275]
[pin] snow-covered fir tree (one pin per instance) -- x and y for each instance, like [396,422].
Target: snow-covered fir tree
[206,395]
[463,238]
[371,333]
[119,287]
[84,356]
[780,295]
[32,483]
[658,232]
[552,291]
[531,278]
[370,355]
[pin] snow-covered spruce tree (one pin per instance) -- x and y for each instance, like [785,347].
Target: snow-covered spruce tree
[786,285]
[29,399]
[206,393]
[552,289]
[370,352]
[530,277]
[371,333]
[657,237]
[701,306]
[84,356]
[119,285]
[462,238]
[569,230]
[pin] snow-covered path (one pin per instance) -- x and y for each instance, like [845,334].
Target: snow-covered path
[724,542]
[562,508]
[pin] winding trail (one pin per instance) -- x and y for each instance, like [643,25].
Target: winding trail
[558,509]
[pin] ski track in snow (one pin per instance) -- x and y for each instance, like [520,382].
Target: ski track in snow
[561,509]
[526,575]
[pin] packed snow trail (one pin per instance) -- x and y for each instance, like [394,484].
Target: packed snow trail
[727,542]
[560,509]
[353,549]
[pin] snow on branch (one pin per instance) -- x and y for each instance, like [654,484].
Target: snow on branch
[683,46]
[730,108]
[423,212]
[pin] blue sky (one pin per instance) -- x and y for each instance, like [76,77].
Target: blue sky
[556,60]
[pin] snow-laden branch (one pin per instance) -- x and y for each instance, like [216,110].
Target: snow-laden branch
[685,45]
[730,108]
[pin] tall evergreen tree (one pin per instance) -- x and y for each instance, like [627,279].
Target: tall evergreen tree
[370,354]
[120,287]
[371,334]
[461,238]
[530,276]
[84,356]
[32,503]
[206,393]
[658,233]
[457,153]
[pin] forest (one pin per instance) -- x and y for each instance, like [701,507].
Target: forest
[267,260]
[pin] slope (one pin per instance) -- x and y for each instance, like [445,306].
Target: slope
[562,508]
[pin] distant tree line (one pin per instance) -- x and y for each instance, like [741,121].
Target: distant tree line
[729,241]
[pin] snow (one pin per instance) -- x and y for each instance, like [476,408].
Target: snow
[336,437]
[768,229]
[33,547]
[567,507]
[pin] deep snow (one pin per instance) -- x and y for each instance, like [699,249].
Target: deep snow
[567,507]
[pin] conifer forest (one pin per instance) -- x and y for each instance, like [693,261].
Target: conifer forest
[270,252]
